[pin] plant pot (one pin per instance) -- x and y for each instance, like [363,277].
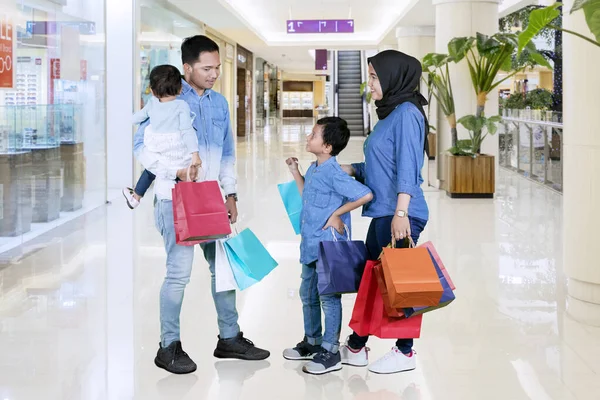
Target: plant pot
[470,177]
[432,139]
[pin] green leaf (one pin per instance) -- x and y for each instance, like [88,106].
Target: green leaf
[591,9]
[472,123]
[459,47]
[539,59]
[435,60]
[486,44]
[538,20]
[578,5]
[492,124]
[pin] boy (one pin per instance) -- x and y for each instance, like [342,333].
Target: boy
[328,196]
[174,137]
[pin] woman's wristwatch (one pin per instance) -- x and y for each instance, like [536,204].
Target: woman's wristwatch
[401,214]
[234,195]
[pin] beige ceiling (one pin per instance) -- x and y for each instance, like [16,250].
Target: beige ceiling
[260,25]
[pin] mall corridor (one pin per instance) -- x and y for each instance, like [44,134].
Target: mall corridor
[79,317]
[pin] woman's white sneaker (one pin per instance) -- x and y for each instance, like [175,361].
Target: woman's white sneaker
[354,358]
[393,362]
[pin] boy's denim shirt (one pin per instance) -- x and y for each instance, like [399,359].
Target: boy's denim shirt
[215,138]
[326,188]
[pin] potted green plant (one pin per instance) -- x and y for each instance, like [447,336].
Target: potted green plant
[428,80]
[440,86]
[486,56]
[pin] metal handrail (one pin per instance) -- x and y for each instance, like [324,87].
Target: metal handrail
[557,125]
[531,154]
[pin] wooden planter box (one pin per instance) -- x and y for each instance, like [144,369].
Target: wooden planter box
[432,139]
[470,177]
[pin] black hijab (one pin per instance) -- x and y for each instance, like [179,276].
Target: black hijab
[400,78]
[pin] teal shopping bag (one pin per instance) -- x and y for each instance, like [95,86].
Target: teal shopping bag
[250,260]
[292,201]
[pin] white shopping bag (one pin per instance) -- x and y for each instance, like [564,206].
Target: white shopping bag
[224,279]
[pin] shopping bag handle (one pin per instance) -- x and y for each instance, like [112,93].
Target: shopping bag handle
[411,242]
[189,174]
[335,239]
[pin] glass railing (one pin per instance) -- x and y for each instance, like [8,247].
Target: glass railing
[531,145]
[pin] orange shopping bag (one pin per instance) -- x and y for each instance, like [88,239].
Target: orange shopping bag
[370,318]
[411,278]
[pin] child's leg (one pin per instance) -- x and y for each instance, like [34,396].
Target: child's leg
[332,308]
[143,184]
[311,305]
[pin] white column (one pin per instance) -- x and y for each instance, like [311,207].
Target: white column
[121,53]
[581,170]
[416,41]
[457,18]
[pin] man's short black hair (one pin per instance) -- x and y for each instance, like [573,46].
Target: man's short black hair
[165,80]
[335,133]
[192,47]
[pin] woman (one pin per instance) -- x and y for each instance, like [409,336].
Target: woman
[394,154]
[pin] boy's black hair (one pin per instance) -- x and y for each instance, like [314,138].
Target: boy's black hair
[335,133]
[165,80]
[193,46]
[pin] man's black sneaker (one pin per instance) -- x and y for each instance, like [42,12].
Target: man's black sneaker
[323,363]
[174,359]
[302,351]
[241,348]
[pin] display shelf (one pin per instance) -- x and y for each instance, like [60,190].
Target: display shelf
[15,193]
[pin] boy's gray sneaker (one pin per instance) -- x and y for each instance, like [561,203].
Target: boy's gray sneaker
[302,351]
[323,363]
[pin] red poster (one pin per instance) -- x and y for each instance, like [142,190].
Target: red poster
[54,74]
[83,70]
[7,36]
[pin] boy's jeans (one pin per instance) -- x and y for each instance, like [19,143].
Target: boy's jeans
[179,269]
[311,307]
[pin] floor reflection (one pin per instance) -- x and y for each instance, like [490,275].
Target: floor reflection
[79,305]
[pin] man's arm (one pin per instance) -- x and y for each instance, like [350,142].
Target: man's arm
[227,175]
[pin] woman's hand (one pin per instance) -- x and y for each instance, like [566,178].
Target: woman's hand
[400,227]
[336,223]
[349,169]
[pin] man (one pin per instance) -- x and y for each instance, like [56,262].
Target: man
[201,63]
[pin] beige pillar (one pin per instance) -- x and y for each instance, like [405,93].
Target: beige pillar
[581,170]
[456,18]
[416,41]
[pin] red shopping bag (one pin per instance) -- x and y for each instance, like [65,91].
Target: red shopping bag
[389,310]
[199,212]
[370,318]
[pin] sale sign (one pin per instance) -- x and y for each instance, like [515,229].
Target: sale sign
[7,59]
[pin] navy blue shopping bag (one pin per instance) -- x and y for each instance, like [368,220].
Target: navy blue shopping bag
[340,265]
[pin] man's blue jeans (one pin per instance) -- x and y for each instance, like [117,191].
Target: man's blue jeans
[179,269]
[311,307]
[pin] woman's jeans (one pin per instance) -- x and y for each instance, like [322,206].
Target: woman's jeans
[380,236]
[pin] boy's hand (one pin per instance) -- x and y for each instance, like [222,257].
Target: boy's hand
[336,223]
[292,163]
[196,161]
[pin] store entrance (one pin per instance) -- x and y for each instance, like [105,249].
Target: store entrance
[242,103]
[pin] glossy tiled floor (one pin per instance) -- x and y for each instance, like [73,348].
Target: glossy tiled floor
[79,317]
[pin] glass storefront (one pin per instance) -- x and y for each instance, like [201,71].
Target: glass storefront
[52,115]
